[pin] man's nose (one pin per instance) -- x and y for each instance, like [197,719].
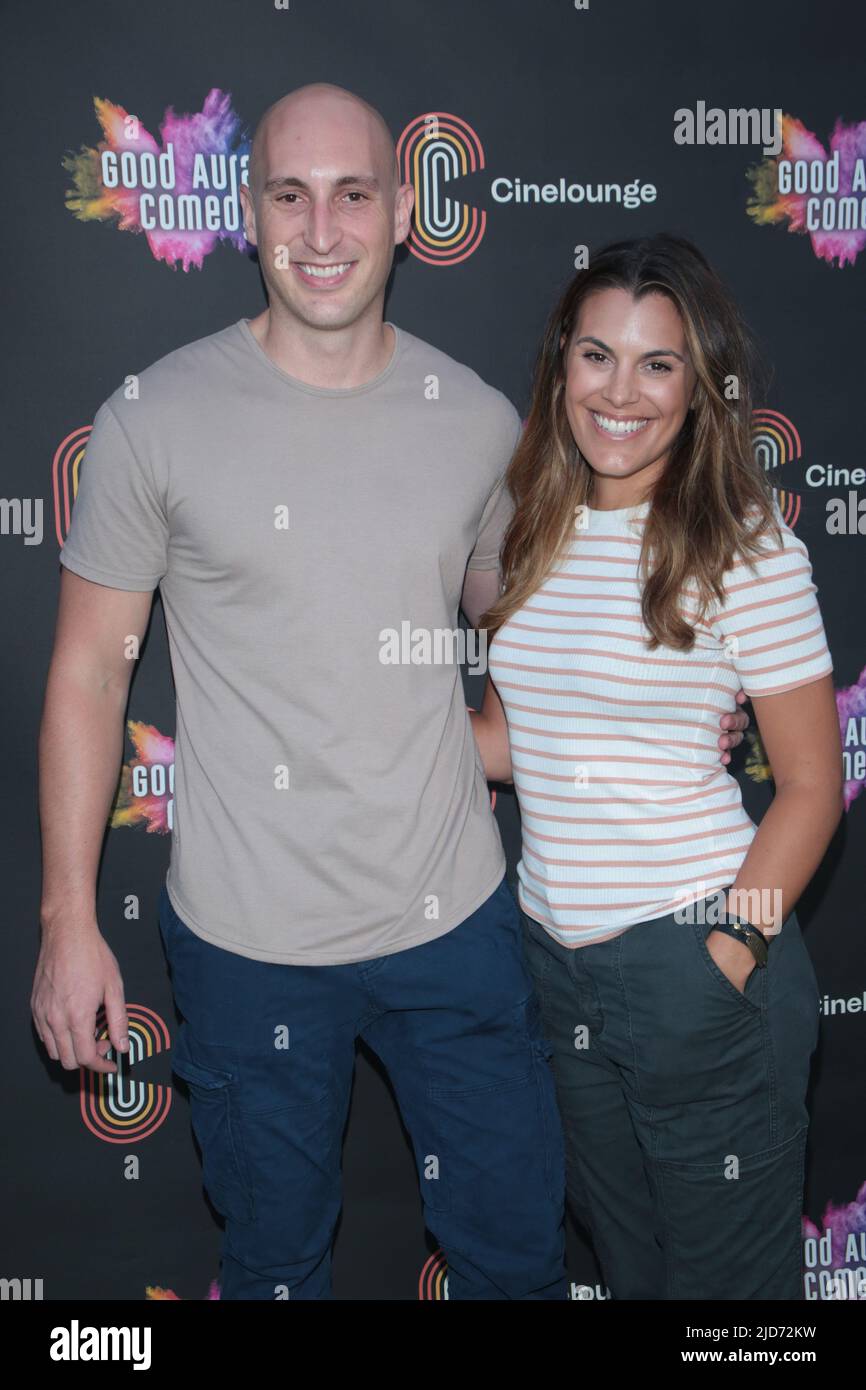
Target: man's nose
[322,230]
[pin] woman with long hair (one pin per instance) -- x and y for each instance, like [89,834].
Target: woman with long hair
[648,574]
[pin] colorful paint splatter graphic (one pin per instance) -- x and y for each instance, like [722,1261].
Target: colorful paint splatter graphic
[836,1256]
[851,707]
[146,790]
[757,762]
[181,191]
[851,704]
[159,1295]
[846,159]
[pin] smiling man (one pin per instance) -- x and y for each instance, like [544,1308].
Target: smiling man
[294,487]
[325,209]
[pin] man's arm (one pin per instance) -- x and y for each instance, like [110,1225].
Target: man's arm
[480,590]
[490,728]
[80,751]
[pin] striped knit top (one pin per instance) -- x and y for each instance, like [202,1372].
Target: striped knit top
[627,812]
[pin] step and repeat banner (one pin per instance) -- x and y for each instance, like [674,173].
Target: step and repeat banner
[530,132]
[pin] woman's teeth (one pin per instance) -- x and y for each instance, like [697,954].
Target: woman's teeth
[618,427]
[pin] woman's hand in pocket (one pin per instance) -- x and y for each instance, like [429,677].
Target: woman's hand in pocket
[735,960]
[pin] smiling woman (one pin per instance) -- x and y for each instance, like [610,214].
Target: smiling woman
[648,574]
[626,405]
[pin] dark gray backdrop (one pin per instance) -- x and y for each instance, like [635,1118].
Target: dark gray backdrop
[550,91]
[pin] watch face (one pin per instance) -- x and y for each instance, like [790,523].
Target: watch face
[751,937]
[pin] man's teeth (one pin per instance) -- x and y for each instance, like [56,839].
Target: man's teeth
[618,426]
[324,272]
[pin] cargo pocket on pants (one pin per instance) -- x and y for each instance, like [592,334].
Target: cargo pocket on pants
[732,1229]
[224,1168]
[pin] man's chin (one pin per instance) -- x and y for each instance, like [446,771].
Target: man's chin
[324,315]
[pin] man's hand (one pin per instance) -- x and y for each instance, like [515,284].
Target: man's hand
[733,958]
[732,726]
[75,974]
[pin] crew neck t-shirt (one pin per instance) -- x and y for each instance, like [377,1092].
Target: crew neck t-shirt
[329,805]
[626,811]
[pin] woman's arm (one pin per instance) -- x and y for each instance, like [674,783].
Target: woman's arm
[491,733]
[794,834]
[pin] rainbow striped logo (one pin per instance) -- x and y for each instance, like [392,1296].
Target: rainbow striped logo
[776,442]
[433,151]
[433,1283]
[65,472]
[115,1108]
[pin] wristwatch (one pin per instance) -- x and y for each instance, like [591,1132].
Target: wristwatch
[748,934]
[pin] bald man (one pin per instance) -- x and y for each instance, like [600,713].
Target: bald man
[301,485]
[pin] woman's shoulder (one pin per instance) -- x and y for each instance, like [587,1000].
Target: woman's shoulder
[771,571]
[769,540]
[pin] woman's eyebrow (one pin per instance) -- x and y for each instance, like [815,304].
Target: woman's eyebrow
[656,352]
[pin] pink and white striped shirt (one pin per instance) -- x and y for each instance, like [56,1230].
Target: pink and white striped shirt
[627,812]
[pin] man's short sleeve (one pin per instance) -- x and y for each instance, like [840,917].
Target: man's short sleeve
[770,622]
[118,533]
[495,518]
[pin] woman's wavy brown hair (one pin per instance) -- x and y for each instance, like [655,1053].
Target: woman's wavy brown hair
[713,500]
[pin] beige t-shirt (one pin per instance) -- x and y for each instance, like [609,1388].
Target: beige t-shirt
[330,806]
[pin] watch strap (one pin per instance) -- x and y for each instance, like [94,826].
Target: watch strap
[748,935]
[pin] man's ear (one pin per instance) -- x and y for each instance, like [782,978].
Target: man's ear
[249,214]
[404,202]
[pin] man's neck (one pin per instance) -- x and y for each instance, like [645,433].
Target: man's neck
[339,357]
